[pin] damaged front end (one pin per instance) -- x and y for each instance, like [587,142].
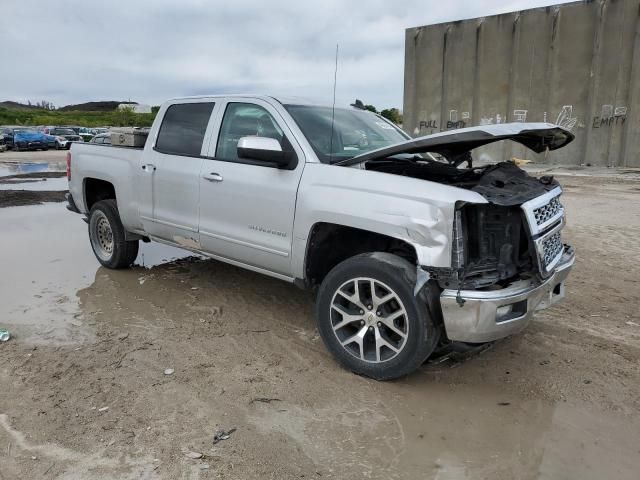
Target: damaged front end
[508,262]
[490,247]
[508,258]
[493,245]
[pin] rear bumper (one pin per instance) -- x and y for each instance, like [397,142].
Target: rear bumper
[490,315]
[71,205]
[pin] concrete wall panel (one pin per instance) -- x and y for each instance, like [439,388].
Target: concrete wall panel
[576,65]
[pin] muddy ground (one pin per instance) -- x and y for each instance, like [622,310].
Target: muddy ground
[83,394]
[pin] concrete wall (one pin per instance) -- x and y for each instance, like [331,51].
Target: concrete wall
[577,65]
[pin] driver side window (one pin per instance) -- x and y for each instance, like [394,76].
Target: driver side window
[244,120]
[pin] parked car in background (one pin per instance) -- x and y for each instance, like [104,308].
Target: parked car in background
[29,139]
[50,140]
[64,137]
[7,132]
[45,128]
[102,139]
[86,133]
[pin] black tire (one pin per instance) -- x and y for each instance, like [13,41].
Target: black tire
[392,274]
[108,239]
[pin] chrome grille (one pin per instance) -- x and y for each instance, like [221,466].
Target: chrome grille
[545,217]
[546,212]
[551,248]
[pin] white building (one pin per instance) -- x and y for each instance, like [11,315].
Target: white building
[135,107]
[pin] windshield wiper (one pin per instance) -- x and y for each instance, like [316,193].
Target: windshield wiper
[338,161]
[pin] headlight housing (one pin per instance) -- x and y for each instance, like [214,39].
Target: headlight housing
[458,250]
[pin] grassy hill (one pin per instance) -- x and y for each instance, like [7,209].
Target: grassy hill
[104,106]
[17,106]
[35,116]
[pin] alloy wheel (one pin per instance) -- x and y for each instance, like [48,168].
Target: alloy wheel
[369,320]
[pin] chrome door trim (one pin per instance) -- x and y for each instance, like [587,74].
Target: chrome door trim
[244,244]
[169,224]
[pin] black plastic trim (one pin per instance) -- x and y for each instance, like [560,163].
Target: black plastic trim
[71,204]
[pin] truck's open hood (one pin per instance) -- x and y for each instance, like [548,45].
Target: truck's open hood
[452,143]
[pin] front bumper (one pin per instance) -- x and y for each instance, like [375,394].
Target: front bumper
[485,316]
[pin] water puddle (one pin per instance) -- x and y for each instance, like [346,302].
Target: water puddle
[468,431]
[426,429]
[46,259]
[7,169]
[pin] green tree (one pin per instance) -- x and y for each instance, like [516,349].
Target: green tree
[358,104]
[393,115]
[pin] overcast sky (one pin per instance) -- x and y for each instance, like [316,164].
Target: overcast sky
[67,51]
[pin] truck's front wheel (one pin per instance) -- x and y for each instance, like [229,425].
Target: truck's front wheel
[107,236]
[370,319]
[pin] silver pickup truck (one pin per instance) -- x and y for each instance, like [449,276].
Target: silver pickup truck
[406,244]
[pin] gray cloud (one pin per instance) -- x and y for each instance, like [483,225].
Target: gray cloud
[70,51]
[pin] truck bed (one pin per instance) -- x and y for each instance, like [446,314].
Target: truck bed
[116,165]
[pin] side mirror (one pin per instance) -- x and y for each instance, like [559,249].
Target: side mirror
[264,149]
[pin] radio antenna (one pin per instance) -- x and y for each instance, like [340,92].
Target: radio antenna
[333,108]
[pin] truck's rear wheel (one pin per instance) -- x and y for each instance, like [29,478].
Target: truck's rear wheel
[107,236]
[370,319]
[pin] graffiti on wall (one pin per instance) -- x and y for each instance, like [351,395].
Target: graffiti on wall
[491,119]
[453,121]
[565,117]
[520,116]
[428,124]
[610,116]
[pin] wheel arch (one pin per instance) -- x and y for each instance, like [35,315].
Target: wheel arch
[329,243]
[96,189]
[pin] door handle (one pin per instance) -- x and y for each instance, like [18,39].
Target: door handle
[149,167]
[213,177]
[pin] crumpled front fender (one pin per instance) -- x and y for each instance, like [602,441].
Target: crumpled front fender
[418,212]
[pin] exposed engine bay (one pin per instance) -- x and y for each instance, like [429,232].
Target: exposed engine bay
[494,243]
[502,184]
[517,234]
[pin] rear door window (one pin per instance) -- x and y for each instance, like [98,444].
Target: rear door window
[183,128]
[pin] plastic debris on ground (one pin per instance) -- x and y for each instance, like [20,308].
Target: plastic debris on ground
[222,435]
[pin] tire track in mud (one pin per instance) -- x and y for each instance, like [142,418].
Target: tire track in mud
[70,464]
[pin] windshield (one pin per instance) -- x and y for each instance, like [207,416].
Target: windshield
[354,133]
[27,131]
[63,131]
